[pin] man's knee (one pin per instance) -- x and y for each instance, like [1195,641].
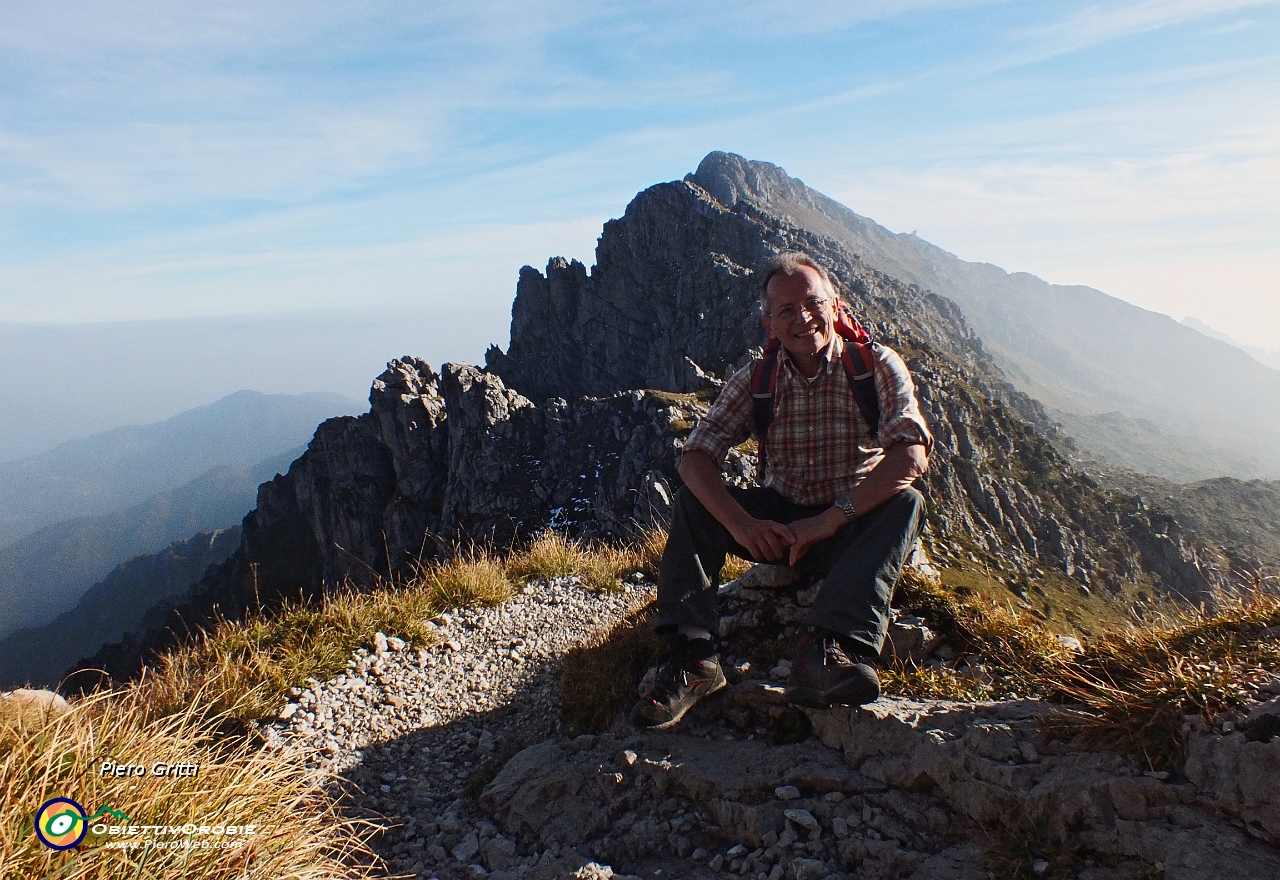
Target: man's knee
[908,503]
[912,497]
[688,503]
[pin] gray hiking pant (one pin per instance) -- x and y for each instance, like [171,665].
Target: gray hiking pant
[859,564]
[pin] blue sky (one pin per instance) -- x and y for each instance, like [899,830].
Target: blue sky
[187,159]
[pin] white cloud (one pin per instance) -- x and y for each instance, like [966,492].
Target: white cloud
[1103,23]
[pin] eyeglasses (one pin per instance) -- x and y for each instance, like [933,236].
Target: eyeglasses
[812,307]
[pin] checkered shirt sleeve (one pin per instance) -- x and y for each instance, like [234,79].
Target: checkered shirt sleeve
[730,420]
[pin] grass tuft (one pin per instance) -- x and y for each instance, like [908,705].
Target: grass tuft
[1132,687]
[599,566]
[1136,687]
[300,834]
[473,577]
[1024,655]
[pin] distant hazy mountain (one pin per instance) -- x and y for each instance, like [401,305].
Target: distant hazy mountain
[110,471]
[1261,355]
[1214,410]
[139,372]
[44,574]
[115,606]
[1240,517]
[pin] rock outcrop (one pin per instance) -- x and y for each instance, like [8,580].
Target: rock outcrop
[579,424]
[896,789]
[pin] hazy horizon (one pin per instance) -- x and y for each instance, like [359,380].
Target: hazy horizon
[59,382]
[338,351]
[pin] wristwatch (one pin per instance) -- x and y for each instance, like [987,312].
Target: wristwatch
[846,507]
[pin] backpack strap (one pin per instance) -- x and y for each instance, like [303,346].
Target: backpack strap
[860,368]
[764,385]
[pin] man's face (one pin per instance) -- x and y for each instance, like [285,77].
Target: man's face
[810,329]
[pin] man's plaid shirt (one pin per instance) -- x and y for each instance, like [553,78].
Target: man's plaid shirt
[819,444]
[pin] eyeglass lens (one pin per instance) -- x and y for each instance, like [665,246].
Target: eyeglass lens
[812,306]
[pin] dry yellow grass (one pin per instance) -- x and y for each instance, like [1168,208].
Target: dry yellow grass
[734,568]
[1023,649]
[244,668]
[1130,689]
[1135,687]
[600,566]
[471,577]
[298,833]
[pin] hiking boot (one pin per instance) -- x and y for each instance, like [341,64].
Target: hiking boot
[824,675]
[692,673]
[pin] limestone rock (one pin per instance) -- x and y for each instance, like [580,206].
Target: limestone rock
[896,792]
[544,795]
[25,706]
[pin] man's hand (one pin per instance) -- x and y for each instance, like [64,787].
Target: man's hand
[764,539]
[814,530]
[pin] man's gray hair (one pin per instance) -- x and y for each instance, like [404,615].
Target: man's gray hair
[788,263]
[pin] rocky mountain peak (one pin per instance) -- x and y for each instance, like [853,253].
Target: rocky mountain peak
[729,178]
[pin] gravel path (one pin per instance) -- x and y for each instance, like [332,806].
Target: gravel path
[413,735]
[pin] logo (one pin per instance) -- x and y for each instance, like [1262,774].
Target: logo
[61,823]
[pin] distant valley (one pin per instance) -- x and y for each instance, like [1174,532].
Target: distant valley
[114,469]
[44,574]
[117,605]
[70,515]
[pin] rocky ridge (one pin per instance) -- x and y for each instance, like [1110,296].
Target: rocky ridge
[458,751]
[579,424]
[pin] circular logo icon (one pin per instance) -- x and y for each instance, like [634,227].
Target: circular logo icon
[61,823]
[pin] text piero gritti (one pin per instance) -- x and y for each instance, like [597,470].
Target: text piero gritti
[181,769]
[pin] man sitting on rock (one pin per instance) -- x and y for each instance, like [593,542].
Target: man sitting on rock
[835,498]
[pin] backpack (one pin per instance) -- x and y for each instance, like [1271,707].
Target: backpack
[859,369]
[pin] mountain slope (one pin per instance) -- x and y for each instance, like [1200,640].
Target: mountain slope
[114,469]
[1241,518]
[44,574]
[112,607]
[1079,351]
[1261,355]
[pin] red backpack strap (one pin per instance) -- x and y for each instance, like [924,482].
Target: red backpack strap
[764,386]
[859,366]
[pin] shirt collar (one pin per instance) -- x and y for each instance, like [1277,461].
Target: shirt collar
[830,357]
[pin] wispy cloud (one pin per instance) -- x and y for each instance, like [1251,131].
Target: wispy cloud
[189,157]
[1100,23]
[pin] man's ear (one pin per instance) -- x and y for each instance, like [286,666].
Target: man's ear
[768,328]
